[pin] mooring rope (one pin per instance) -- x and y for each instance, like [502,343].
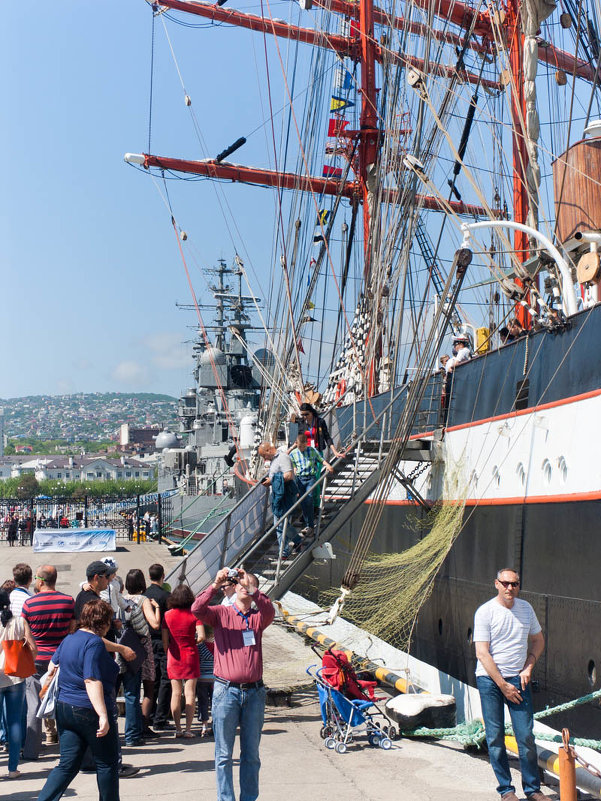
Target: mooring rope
[473,733]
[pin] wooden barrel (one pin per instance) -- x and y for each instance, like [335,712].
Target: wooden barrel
[578,194]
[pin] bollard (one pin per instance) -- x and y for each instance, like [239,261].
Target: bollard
[567,769]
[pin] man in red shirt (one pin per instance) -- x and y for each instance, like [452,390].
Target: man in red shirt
[239,692]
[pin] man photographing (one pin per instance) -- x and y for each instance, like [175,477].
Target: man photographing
[239,693]
[509,641]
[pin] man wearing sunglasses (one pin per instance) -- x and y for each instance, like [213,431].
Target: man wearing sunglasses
[508,641]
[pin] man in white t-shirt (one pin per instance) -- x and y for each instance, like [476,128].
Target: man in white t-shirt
[509,641]
[229,594]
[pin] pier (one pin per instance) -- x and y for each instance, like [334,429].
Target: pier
[295,763]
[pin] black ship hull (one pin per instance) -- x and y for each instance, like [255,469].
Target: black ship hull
[549,532]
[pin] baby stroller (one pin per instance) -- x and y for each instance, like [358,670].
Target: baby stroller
[338,671]
[342,717]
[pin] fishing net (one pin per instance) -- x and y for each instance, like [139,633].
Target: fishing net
[394,586]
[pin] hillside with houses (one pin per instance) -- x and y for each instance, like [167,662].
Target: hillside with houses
[92,417]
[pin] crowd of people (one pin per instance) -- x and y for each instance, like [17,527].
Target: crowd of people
[138,638]
[18,522]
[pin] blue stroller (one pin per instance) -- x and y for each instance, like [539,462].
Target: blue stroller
[342,718]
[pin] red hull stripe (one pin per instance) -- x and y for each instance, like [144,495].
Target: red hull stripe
[572,497]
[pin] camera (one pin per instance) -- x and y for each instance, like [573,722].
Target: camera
[233,574]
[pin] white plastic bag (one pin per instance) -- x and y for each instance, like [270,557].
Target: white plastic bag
[48,703]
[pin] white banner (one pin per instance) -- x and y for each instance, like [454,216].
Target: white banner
[53,540]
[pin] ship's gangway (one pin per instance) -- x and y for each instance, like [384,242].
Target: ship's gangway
[247,534]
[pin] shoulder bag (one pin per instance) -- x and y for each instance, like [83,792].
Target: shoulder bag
[18,659]
[131,640]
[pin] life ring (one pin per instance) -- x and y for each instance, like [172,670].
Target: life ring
[340,390]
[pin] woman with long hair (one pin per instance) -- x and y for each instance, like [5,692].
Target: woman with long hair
[183,665]
[12,688]
[316,429]
[86,705]
[147,610]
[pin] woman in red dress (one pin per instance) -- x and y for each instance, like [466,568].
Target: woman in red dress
[179,640]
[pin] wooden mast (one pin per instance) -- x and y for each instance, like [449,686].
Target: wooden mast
[520,152]
[369,134]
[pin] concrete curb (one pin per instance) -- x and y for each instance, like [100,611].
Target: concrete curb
[385,676]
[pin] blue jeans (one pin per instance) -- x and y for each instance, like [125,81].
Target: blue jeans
[11,699]
[493,709]
[77,726]
[133,711]
[233,707]
[306,483]
[204,693]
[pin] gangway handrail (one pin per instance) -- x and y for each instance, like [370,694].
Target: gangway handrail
[245,552]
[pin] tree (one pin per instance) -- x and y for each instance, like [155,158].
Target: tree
[28,486]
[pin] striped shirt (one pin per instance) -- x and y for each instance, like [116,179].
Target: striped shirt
[306,463]
[49,615]
[17,598]
[206,657]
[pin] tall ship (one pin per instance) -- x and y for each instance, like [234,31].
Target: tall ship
[434,168]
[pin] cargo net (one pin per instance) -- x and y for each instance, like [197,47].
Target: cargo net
[394,586]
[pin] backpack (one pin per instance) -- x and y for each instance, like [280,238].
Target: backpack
[137,620]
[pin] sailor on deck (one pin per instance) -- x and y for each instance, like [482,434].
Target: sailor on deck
[461,352]
[508,641]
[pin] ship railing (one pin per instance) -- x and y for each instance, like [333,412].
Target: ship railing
[226,540]
[349,418]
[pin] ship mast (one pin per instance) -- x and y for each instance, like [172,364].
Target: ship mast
[362,47]
[369,134]
[520,151]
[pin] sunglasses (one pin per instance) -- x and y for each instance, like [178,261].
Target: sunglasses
[508,584]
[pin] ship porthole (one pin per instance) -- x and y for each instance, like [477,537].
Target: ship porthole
[521,473]
[496,476]
[563,469]
[592,673]
[470,638]
[547,471]
[440,626]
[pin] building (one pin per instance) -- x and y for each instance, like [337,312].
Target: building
[78,468]
[138,439]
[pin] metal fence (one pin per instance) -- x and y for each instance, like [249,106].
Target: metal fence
[125,515]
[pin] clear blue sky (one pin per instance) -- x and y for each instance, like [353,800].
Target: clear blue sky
[90,267]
